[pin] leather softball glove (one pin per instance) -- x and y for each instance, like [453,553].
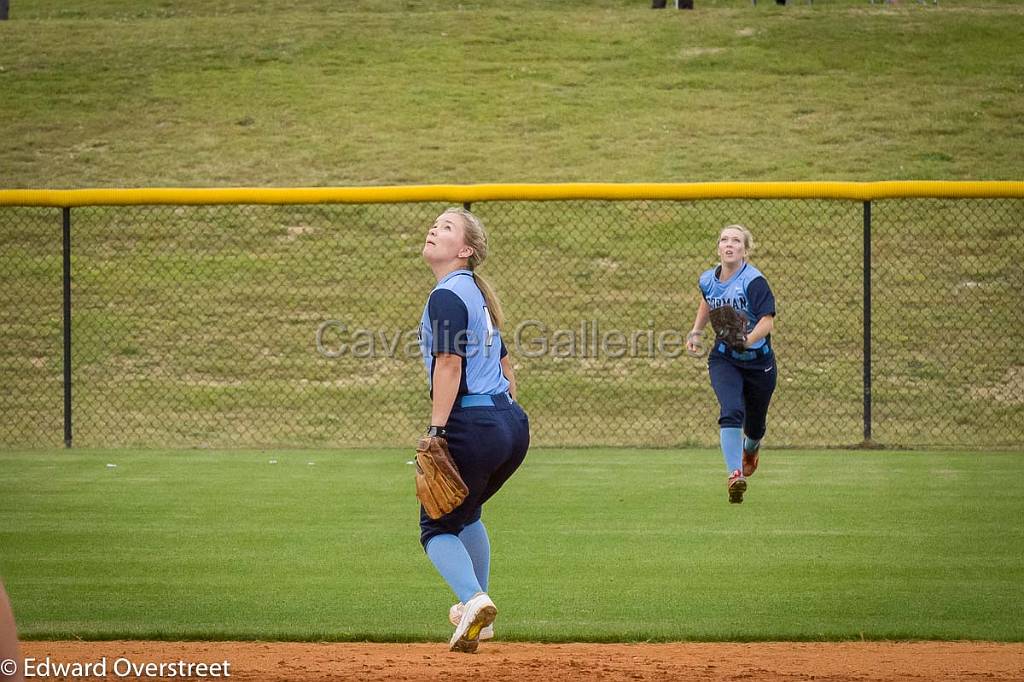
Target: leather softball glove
[439,486]
[730,326]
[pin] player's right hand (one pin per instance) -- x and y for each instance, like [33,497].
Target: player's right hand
[693,343]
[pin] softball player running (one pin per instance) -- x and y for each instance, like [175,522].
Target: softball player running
[473,390]
[743,376]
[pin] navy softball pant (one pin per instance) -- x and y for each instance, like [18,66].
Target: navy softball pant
[744,391]
[488,443]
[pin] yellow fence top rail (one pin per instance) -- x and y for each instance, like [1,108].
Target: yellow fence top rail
[853,191]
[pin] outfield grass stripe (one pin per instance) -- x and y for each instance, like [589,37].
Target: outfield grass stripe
[589,545]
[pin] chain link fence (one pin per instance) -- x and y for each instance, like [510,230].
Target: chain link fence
[270,326]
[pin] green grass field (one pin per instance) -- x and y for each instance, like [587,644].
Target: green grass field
[195,326]
[588,545]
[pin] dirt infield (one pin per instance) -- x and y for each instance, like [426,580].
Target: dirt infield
[273,661]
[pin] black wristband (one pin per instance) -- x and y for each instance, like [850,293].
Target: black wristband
[438,431]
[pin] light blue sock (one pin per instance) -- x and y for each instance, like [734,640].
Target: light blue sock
[453,563]
[750,445]
[474,538]
[732,448]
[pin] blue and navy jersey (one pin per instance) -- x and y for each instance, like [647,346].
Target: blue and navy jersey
[455,320]
[747,291]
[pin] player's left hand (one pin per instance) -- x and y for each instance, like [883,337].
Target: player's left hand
[439,486]
[730,326]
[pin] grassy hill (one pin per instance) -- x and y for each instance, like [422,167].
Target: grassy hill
[196,326]
[116,93]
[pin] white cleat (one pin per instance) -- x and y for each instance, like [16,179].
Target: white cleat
[455,615]
[478,613]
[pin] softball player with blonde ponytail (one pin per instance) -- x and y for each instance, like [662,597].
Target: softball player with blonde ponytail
[743,374]
[473,407]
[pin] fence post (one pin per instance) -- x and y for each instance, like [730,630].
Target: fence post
[867,323]
[67,326]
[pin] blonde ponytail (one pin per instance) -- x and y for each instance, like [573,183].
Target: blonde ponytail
[491,300]
[476,238]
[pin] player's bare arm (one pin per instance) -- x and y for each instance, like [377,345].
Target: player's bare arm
[447,371]
[762,329]
[701,321]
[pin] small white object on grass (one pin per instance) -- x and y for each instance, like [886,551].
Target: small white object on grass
[111,466]
[273,461]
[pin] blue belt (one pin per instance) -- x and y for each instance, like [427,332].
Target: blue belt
[485,400]
[762,352]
